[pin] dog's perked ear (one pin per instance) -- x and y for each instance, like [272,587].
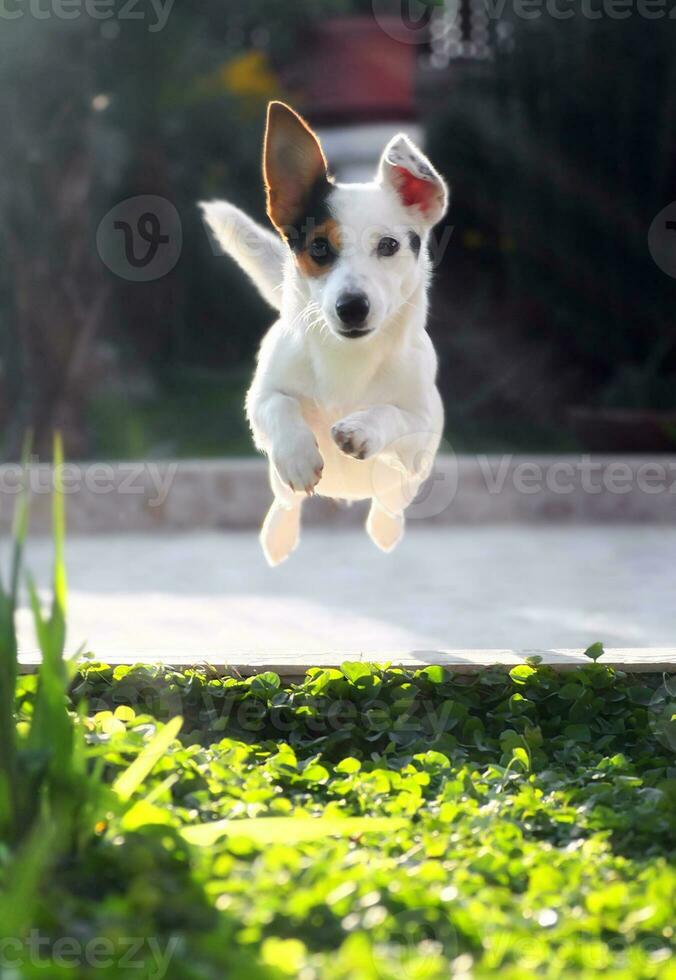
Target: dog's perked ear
[419,187]
[294,166]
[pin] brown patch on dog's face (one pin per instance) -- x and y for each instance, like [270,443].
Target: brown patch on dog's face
[321,250]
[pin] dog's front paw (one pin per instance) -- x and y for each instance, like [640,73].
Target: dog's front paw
[300,466]
[356,438]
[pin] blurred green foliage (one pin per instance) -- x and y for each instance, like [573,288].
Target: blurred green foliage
[97,111]
[560,151]
[200,413]
[371,823]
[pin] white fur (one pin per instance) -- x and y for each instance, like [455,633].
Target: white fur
[345,418]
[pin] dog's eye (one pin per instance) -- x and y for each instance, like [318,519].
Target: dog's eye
[387,247]
[320,250]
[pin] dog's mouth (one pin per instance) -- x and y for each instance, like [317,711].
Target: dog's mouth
[355,332]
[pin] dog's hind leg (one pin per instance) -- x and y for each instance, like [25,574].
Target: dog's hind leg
[281,530]
[385,529]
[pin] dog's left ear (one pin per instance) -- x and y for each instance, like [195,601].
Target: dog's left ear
[419,187]
[293,164]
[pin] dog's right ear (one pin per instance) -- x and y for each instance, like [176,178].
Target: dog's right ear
[417,184]
[293,163]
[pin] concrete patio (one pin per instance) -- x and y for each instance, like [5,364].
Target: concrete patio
[208,595]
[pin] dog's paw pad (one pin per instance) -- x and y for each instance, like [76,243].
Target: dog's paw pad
[354,439]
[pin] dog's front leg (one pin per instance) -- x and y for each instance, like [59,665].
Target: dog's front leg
[281,431]
[387,429]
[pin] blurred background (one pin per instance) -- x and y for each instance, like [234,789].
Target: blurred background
[121,324]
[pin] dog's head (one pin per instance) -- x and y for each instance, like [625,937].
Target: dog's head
[359,249]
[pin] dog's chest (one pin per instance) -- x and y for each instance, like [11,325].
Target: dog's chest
[345,379]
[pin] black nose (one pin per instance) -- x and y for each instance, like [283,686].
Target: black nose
[353,308]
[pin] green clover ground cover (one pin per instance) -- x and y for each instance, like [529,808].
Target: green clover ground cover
[517,824]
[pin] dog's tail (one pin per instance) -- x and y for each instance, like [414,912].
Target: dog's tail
[259,252]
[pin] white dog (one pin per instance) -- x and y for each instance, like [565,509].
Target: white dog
[343,401]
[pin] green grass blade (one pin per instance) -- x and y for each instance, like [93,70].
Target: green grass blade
[8,762]
[20,527]
[59,534]
[23,878]
[130,780]
[52,730]
[39,622]
[8,662]
[161,788]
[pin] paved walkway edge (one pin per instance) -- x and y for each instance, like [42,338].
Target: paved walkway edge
[644,660]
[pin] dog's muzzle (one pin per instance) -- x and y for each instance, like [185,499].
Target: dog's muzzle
[353,310]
